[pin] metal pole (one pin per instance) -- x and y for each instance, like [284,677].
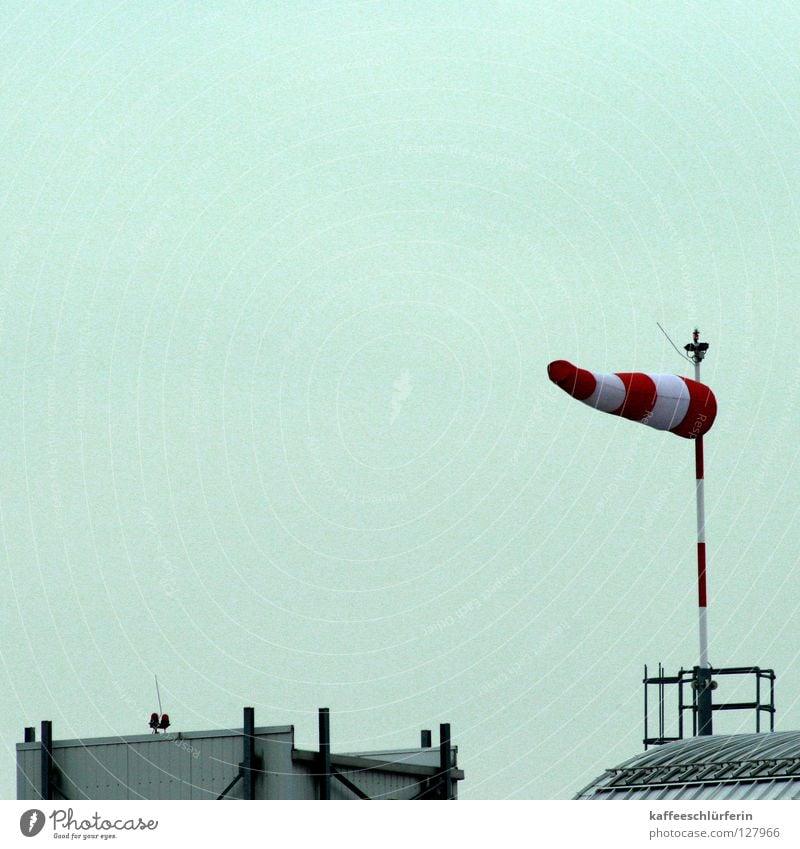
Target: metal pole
[46,789]
[758,701]
[425,739]
[248,754]
[702,583]
[772,701]
[446,760]
[324,753]
[703,681]
[646,734]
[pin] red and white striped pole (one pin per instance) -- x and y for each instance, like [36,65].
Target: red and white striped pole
[702,592]
[703,682]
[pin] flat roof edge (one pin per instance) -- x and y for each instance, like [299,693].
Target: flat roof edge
[356,764]
[88,742]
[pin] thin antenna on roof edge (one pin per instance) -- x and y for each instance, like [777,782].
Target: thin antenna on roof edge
[673,344]
[159,721]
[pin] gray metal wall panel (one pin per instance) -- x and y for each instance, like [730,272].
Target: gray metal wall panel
[340,792]
[180,767]
[422,757]
[219,764]
[76,762]
[208,774]
[102,771]
[158,770]
[379,784]
[279,777]
[29,772]
[192,767]
[139,771]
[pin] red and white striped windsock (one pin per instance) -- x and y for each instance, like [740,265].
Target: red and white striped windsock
[663,401]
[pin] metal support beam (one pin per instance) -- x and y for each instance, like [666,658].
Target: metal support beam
[349,784]
[446,760]
[705,707]
[46,787]
[249,753]
[237,777]
[324,767]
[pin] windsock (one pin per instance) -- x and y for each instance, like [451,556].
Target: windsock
[663,401]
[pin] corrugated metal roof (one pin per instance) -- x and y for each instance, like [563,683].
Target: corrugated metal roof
[739,766]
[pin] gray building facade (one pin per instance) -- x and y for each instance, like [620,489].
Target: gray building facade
[247,763]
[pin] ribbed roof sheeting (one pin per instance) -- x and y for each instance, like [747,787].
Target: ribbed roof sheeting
[740,766]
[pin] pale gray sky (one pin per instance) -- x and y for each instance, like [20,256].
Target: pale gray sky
[280,284]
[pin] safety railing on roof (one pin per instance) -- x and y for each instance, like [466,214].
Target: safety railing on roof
[691,680]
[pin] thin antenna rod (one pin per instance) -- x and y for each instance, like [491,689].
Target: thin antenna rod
[160,712]
[673,344]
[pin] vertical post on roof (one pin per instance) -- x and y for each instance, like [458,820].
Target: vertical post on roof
[425,739]
[46,786]
[646,733]
[324,753]
[703,683]
[30,735]
[248,753]
[772,700]
[446,760]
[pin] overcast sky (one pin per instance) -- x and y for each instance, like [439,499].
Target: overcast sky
[280,283]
